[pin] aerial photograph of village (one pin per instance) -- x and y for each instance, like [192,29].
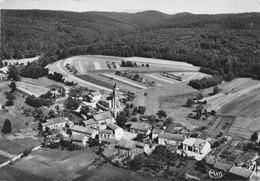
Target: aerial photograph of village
[129,90]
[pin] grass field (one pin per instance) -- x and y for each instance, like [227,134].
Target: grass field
[51,164]
[3,159]
[110,173]
[17,146]
[31,89]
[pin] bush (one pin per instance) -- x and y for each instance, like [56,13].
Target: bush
[9,103]
[213,112]
[199,96]
[215,90]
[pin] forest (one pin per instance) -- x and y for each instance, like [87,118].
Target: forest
[226,44]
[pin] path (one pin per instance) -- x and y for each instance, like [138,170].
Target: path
[6,154]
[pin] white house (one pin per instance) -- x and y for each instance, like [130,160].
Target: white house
[196,145]
[170,139]
[81,130]
[117,131]
[55,123]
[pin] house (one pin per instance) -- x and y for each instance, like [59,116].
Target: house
[196,145]
[104,117]
[117,131]
[80,140]
[141,128]
[171,139]
[241,173]
[131,148]
[55,123]
[3,77]
[156,132]
[91,96]
[104,135]
[90,123]
[81,130]
[57,90]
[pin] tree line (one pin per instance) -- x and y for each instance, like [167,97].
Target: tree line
[205,82]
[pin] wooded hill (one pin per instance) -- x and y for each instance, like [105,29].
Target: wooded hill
[226,44]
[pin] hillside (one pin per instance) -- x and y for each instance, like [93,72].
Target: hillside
[226,44]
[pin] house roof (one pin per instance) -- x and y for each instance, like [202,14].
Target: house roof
[222,166]
[55,121]
[106,131]
[79,138]
[108,140]
[243,172]
[90,122]
[112,126]
[129,144]
[82,129]
[195,142]
[170,136]
[140,126]
[157,131]
[102,116]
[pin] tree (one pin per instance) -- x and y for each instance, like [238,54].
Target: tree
[141,109]
[213,112]
[14,73]
[199,96]
[72,103]
[168,121]
[254,137]
[147,65]
[121,119]
[10,96]
[189,102]
[7,127]
[13,86]
[161,114]
[137,162]
[215,90]
[145,94]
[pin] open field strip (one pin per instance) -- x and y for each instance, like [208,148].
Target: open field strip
[31,89]
[162,62]
[124,81]
[162,78]
[97,65]
[6,154]
[79,66]
[219,100]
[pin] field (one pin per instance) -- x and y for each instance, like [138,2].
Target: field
[31,89]
[50,164]
[17,146]
[3,159]
[110,173]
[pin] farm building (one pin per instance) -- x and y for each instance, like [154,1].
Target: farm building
[80,130]
[104,117]
[169,138]
[156,132]
[142,128]
[131,148]
[57,90]
[196,145]
[80,140]
[91,96]
[105,134]
[91,123]
[54,123]
[117,131]
[240,173]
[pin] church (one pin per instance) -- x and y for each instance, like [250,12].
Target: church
[111,102]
